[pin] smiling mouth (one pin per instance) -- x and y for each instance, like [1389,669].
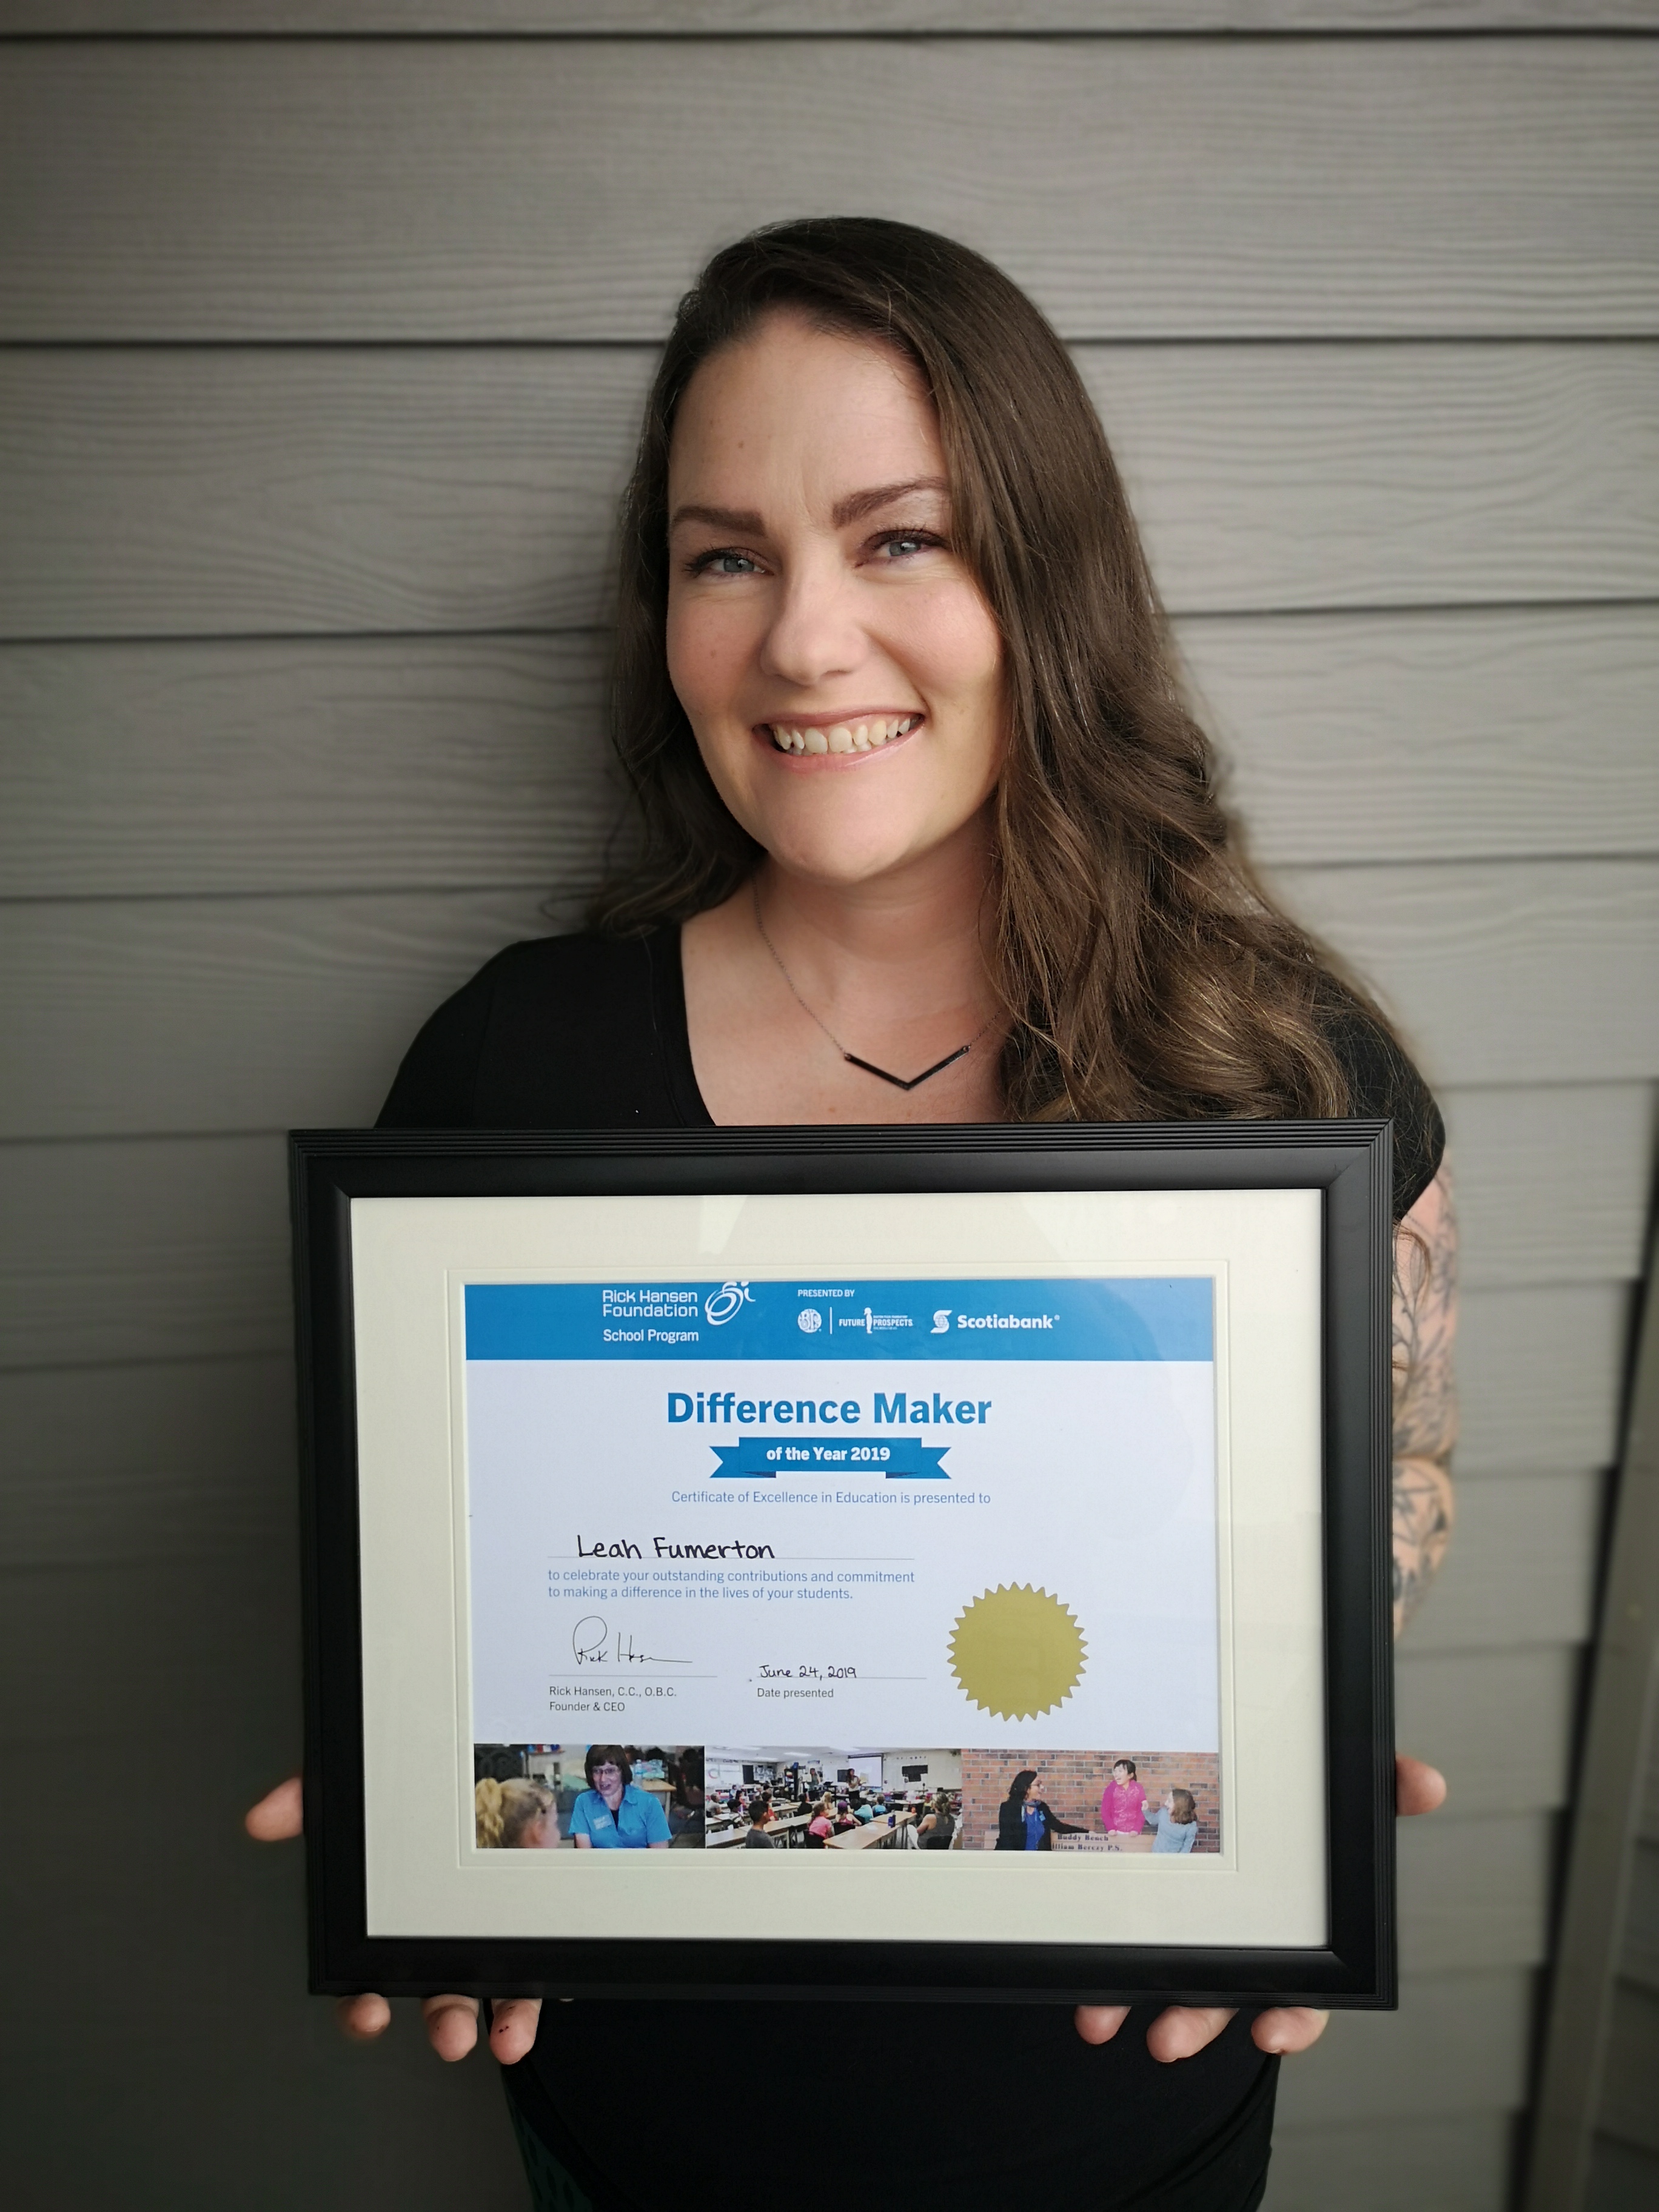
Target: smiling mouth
[868,735]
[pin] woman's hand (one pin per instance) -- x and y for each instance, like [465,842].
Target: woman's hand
[452,2022]
[1185,2029]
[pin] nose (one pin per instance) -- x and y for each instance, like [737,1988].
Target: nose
[814,634]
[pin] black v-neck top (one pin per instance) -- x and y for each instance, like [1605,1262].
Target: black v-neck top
[649,2102]
[589,1033]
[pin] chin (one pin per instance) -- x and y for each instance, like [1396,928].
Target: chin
[841,860]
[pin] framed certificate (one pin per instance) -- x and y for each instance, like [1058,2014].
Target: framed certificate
[923,1562]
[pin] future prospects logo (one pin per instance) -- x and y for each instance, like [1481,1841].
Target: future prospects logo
[725,1304]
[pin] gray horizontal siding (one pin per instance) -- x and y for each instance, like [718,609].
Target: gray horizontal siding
[1499,1723]
[1458,2044]
[1496,732]
[173,490]
[1402,2165]
[148,1465]
[304,765]
[1539,1375]
[1522,1568]
[1483,186]
[1504,972]
[339,18]
[1552,1181]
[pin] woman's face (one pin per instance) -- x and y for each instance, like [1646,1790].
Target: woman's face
[815,603]
[607,1780]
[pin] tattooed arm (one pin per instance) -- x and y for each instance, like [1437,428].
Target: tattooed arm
[1425,1392]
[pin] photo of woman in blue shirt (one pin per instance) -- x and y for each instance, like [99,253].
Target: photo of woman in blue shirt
[613,1813]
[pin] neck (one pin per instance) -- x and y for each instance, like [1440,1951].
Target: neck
[915,939]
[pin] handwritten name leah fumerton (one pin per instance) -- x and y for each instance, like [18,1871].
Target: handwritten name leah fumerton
[625,1548]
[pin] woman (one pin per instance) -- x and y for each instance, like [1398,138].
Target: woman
[515,1815]
[613,1813]
[1176,1822]
[927,834]
[1123,1802]
[686,1810]
[1026,1823]
[938,1825]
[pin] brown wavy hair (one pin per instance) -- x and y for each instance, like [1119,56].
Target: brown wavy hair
[1146,972]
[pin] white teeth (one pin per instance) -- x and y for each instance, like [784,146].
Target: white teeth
[843,737]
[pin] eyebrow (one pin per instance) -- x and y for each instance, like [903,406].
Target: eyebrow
[858,504]
[853,508]
[741,519]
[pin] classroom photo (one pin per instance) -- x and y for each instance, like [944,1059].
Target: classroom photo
[822,1798]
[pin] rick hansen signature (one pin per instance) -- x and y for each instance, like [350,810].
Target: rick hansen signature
[595,1645]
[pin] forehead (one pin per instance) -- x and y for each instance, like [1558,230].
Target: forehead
[795,409]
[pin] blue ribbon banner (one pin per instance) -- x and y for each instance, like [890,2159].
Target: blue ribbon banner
[897,1459]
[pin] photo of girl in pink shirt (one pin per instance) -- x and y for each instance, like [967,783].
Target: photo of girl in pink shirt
[1123,1802]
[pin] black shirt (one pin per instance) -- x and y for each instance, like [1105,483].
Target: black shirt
[589,1033]
[968,2101]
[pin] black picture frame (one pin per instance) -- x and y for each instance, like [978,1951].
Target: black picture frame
[1348,1162]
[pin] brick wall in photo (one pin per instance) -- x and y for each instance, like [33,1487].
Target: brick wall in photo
[1072,1782]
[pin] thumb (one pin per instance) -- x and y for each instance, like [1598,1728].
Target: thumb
[278,1815]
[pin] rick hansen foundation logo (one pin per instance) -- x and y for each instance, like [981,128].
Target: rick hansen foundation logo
[726,1303]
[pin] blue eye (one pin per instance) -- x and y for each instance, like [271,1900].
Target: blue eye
[723,564]
[903,545]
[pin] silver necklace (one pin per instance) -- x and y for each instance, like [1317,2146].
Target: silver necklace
[898,1082]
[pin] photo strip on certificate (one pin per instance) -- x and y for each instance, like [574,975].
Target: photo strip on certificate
[845,1563]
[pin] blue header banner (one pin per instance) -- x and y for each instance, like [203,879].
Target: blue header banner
[1122,1317]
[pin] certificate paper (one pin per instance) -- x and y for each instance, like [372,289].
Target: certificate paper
[853,1513]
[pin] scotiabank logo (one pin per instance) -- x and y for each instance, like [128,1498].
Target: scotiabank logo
[725,1304]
